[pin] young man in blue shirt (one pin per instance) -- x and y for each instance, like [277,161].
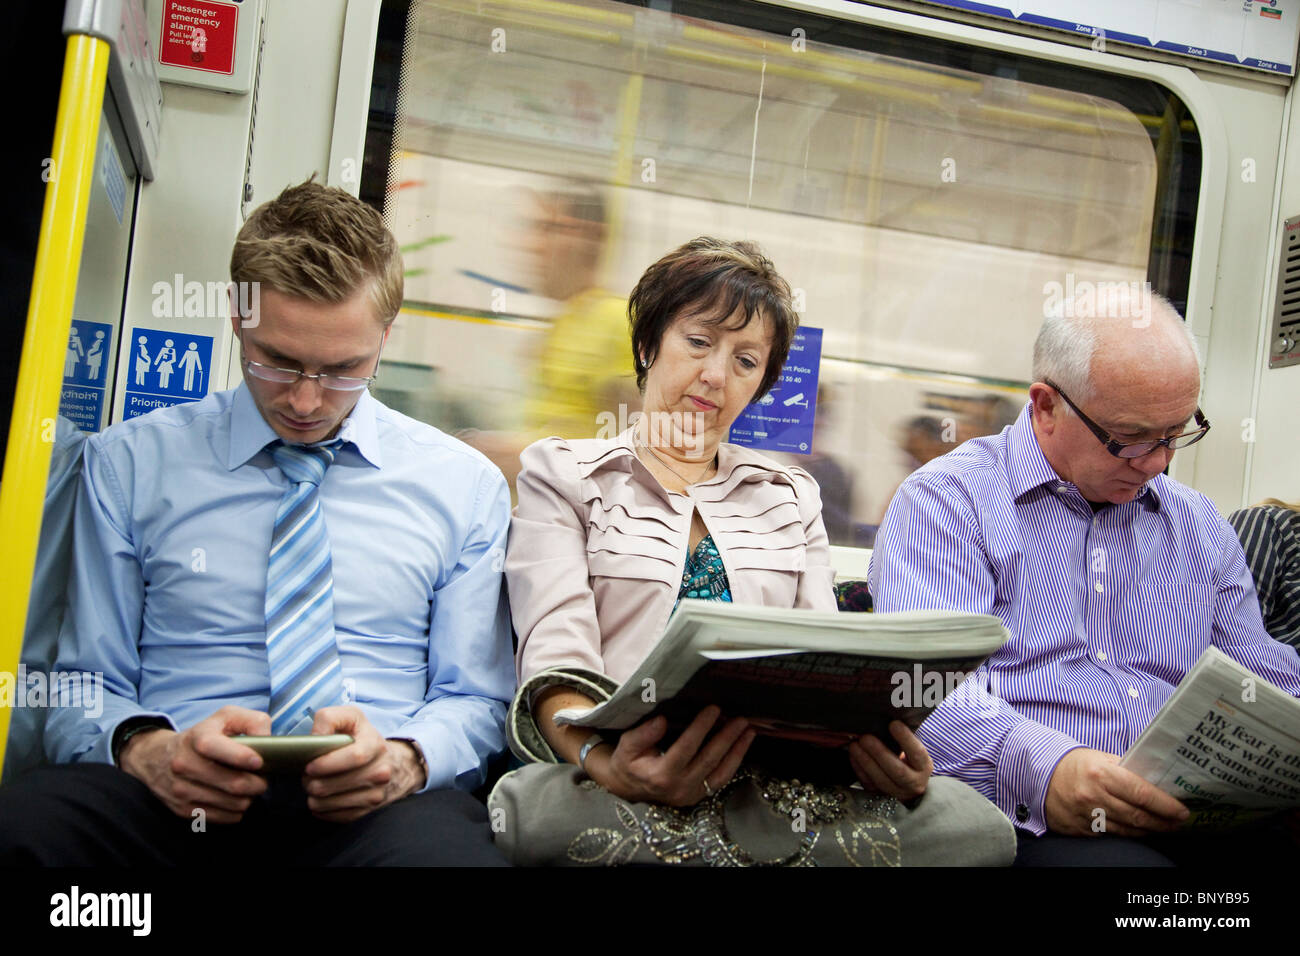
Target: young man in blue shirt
[290,556]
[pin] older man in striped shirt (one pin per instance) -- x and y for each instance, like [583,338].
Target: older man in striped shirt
[1111,577]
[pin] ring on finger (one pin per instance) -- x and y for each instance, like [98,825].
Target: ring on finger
[708,791]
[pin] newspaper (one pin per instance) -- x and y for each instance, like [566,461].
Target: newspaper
[1226,743]
[821,677]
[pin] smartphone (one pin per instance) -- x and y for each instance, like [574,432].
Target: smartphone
[293,751]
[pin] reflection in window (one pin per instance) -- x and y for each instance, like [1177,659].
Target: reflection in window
[925,204]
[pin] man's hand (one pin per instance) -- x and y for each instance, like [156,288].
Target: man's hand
[367,774]
[903,777]
[1087,780]
[201,768]
[685,774]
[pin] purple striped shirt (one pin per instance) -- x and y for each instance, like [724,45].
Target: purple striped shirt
[1107,612]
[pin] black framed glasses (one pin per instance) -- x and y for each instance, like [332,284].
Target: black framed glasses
[1136,449]
[289,376]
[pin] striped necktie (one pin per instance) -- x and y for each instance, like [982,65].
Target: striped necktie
[301,655]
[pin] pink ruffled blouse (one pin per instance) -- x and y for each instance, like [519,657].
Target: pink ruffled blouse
[597,548]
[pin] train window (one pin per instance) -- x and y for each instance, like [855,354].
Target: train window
[925,200]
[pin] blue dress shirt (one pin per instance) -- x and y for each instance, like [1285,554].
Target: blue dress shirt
[1107,611]
[173,529]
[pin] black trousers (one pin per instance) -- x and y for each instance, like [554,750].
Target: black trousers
[1220,849]
[98,815]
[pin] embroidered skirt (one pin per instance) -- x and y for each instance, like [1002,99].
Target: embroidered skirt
[551,813]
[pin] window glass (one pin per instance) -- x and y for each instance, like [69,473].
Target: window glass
[925,200]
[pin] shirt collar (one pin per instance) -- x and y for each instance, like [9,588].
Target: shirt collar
[1028,468]
[249,432]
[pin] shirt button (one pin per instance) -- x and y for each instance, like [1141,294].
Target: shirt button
[1022,812]
[1096,586]
[1133,692]
[1060,488]
[1101,655]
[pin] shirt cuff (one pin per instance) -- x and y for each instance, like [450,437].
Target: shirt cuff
[439,764]
[419,759]
[1029,757]
[457,745]
[160,721]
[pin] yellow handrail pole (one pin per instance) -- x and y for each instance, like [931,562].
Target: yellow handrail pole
[45,342]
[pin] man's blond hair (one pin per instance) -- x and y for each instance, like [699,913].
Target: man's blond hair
[322,244]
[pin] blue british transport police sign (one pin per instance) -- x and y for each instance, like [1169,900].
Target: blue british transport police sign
[782,420]
[165,368]
[85,374]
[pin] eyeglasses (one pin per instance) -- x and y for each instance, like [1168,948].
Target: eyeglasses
[1136,449]
[289,376]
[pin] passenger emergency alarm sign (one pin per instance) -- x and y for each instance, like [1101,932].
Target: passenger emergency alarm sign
[199,35]
[166,368]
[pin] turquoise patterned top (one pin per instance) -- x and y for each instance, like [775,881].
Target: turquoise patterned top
[704,577]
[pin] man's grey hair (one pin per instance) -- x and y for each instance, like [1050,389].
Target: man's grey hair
[1066,344]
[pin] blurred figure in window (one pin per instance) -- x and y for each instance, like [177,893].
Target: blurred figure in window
[987,415]
[926,437]
[923,439]
[585,366]
[1270,536]
[584,369]
[832,478]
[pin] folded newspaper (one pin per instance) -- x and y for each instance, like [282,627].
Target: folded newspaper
[820,677]
[1226,743]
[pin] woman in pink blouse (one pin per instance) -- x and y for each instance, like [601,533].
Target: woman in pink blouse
[609,534]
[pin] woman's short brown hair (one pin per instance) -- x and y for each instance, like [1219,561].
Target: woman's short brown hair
[322,244]
[712,276]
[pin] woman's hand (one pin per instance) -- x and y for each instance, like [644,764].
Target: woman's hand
[685,774]
[904,776]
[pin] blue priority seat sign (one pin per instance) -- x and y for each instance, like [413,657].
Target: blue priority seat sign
[85,371]
[165,368]
[782,420]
